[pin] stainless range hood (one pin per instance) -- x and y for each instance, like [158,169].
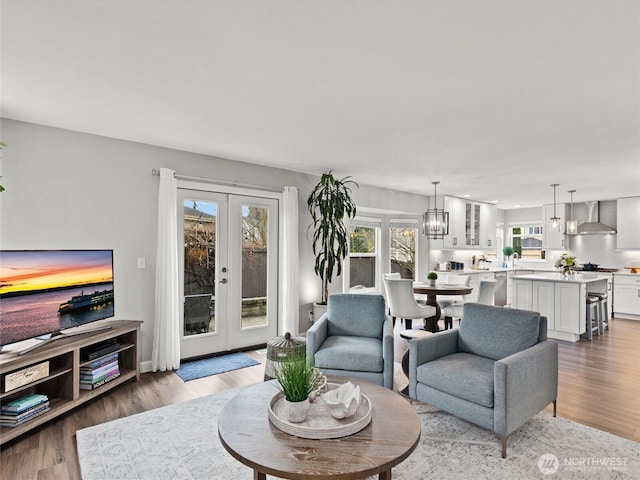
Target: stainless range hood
[594,227]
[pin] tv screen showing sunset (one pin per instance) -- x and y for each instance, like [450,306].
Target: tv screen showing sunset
[33,271]
[46,291]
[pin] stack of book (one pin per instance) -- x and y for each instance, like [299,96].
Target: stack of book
[99,372]
[23,409]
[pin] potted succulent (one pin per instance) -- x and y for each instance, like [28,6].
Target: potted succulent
[329,204]
[432,277]
[297,380]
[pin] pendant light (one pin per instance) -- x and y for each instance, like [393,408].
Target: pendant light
[435,222]
[572,225]
[555,220]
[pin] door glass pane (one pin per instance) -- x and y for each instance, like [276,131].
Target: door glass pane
[255,249]
[199,266]
[362,257]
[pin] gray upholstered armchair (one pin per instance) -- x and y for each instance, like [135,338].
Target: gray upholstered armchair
[354,339]
[496,371]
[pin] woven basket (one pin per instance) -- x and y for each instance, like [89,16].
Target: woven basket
[280,350]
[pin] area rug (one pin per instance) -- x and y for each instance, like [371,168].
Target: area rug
[214,365]
[180,442]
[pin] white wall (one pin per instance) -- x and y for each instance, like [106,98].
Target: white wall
[68,190]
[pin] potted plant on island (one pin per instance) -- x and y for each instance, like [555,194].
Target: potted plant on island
[432,277]
[507,252]
[329,204]
[297,380]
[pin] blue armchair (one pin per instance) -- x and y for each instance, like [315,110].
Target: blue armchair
[496,371]
[353,339]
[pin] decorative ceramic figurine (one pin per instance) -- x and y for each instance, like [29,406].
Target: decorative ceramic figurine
[343,401]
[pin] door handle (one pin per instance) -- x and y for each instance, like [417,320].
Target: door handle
[223,281]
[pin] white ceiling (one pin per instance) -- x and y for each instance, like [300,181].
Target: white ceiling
[493,99]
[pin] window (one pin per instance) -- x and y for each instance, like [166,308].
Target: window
[402,247]
[364,248]
[527,241]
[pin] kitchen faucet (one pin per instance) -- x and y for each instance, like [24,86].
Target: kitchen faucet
[515,255]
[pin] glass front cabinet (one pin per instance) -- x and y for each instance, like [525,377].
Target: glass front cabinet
[472,225]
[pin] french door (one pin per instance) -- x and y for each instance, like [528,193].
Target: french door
[229,271]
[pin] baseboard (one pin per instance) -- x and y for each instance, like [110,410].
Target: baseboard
[145,367]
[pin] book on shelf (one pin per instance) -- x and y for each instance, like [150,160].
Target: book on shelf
[21,404]
[99,383]
[101,361]
[13,420]
[97,371]
[99,376]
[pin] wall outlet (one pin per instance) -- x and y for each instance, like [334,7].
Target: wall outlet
[310,316]
[142,263]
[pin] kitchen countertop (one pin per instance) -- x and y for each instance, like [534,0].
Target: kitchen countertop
[586,277]
[626,274]
[468,271]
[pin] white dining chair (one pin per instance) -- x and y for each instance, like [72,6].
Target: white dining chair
[403,304]
[392,276]
[445,300]
[483,295]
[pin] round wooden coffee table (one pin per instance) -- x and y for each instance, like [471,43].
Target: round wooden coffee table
[247,434]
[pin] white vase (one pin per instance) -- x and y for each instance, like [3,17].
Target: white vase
[296,412]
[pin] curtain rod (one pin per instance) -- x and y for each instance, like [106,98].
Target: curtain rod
[177,176]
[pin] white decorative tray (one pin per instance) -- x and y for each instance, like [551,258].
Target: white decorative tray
[319,423]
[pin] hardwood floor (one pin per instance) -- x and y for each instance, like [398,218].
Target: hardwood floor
[599,386]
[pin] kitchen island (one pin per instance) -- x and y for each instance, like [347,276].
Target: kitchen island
[561,300]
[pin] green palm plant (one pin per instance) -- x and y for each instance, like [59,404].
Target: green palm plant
[329,203]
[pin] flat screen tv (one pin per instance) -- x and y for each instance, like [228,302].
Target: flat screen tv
[48,292]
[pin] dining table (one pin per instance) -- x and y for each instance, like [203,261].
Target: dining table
[432,292]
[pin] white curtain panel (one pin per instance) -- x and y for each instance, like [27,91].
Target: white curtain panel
[290,287]
[166,332]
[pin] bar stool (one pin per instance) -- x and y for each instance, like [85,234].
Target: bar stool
[593,316]
[604,309]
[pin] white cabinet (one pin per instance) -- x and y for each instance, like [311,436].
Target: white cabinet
[628,226]
[488,217]
[510,287]
[543,301]
[562,302]
[626,296]
[522,294]
[455,238]
[553,240]
[472,225]
[570,309]
[536,296]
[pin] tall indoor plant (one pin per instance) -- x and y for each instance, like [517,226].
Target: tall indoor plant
[329,204]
